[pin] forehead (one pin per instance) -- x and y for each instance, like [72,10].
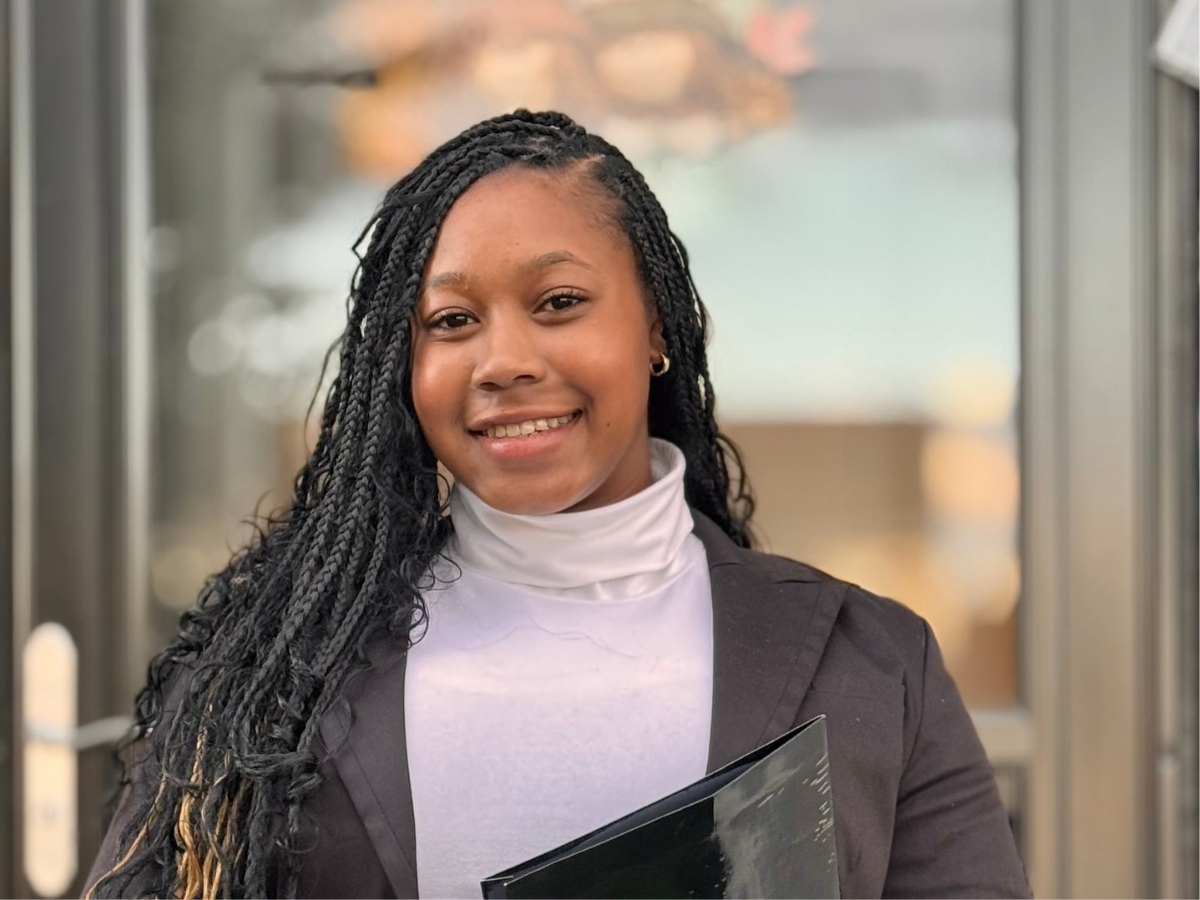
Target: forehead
[515,214]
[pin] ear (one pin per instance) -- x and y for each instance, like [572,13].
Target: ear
[658,345]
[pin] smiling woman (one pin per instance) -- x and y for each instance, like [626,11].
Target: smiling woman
[400,689]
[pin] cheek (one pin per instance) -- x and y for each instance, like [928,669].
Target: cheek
[437,389]
[611,368]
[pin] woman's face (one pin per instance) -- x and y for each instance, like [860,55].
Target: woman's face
[532,345]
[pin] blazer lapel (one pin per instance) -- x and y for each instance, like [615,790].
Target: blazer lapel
[771,620]
[365,739]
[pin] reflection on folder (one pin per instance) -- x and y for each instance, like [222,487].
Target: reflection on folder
[762,826]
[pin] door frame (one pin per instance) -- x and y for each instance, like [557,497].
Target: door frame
[1107,486]
[79,377]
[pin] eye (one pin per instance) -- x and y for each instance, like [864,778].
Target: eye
[563,302]
[450,320]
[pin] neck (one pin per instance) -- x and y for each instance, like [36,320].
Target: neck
[602,551]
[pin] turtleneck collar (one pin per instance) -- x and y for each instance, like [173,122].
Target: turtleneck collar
[612,552]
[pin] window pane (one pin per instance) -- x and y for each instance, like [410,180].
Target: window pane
[843,174]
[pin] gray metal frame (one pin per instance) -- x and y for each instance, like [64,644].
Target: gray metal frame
[137,340]
[22,386]
[1108,132]
[1175,459]
[7,723]
[1102,462]
[1043,411]
[80,377]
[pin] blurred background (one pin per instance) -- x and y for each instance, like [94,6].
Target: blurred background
[949,248]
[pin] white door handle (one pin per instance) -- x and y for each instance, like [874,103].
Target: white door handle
[49,685]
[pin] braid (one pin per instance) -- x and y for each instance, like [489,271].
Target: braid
[275,637]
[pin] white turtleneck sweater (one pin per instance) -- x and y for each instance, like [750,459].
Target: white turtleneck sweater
[564,680]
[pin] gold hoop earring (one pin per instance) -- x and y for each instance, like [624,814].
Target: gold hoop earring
[665,363]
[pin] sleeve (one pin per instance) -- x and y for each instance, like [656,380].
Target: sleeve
[143,780]
[339,861]
[144,777]
[952,836]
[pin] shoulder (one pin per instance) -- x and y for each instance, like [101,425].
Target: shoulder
[867,632]
[870,632]
[776,569]
[860,606]
[910,773]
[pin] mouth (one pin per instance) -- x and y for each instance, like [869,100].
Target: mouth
[527,438]
[527,427]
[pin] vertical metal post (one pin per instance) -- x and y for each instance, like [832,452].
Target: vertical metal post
[1089,449]
[7,663]
[23,381]
[80,502]
[1107,253]
[1043,444]
[1174,633]
[136,379]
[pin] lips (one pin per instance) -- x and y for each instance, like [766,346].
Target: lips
[524,439]
[528,427]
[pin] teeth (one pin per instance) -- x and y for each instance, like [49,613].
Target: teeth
[521,429]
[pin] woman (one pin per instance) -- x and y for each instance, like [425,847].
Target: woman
[379,699]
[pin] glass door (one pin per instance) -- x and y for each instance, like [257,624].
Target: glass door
[924,231]
[846,176]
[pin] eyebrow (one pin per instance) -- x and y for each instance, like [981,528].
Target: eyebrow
[537,264]
[554,258]
[446,279]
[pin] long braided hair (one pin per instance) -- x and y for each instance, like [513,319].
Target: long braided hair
[272,640]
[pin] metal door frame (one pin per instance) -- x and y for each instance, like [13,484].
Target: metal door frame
[78,173]
[1104,458]
[20,384]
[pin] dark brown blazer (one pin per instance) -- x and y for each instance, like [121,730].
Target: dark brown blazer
[916,809]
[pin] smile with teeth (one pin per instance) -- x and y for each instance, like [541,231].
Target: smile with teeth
[528,427]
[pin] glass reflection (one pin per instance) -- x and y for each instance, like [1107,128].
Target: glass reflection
[843,174]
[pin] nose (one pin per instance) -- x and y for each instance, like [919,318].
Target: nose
[509,354]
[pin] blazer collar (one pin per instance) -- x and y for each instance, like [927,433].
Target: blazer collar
[771,620]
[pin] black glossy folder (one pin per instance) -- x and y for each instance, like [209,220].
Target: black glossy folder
[760,827]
